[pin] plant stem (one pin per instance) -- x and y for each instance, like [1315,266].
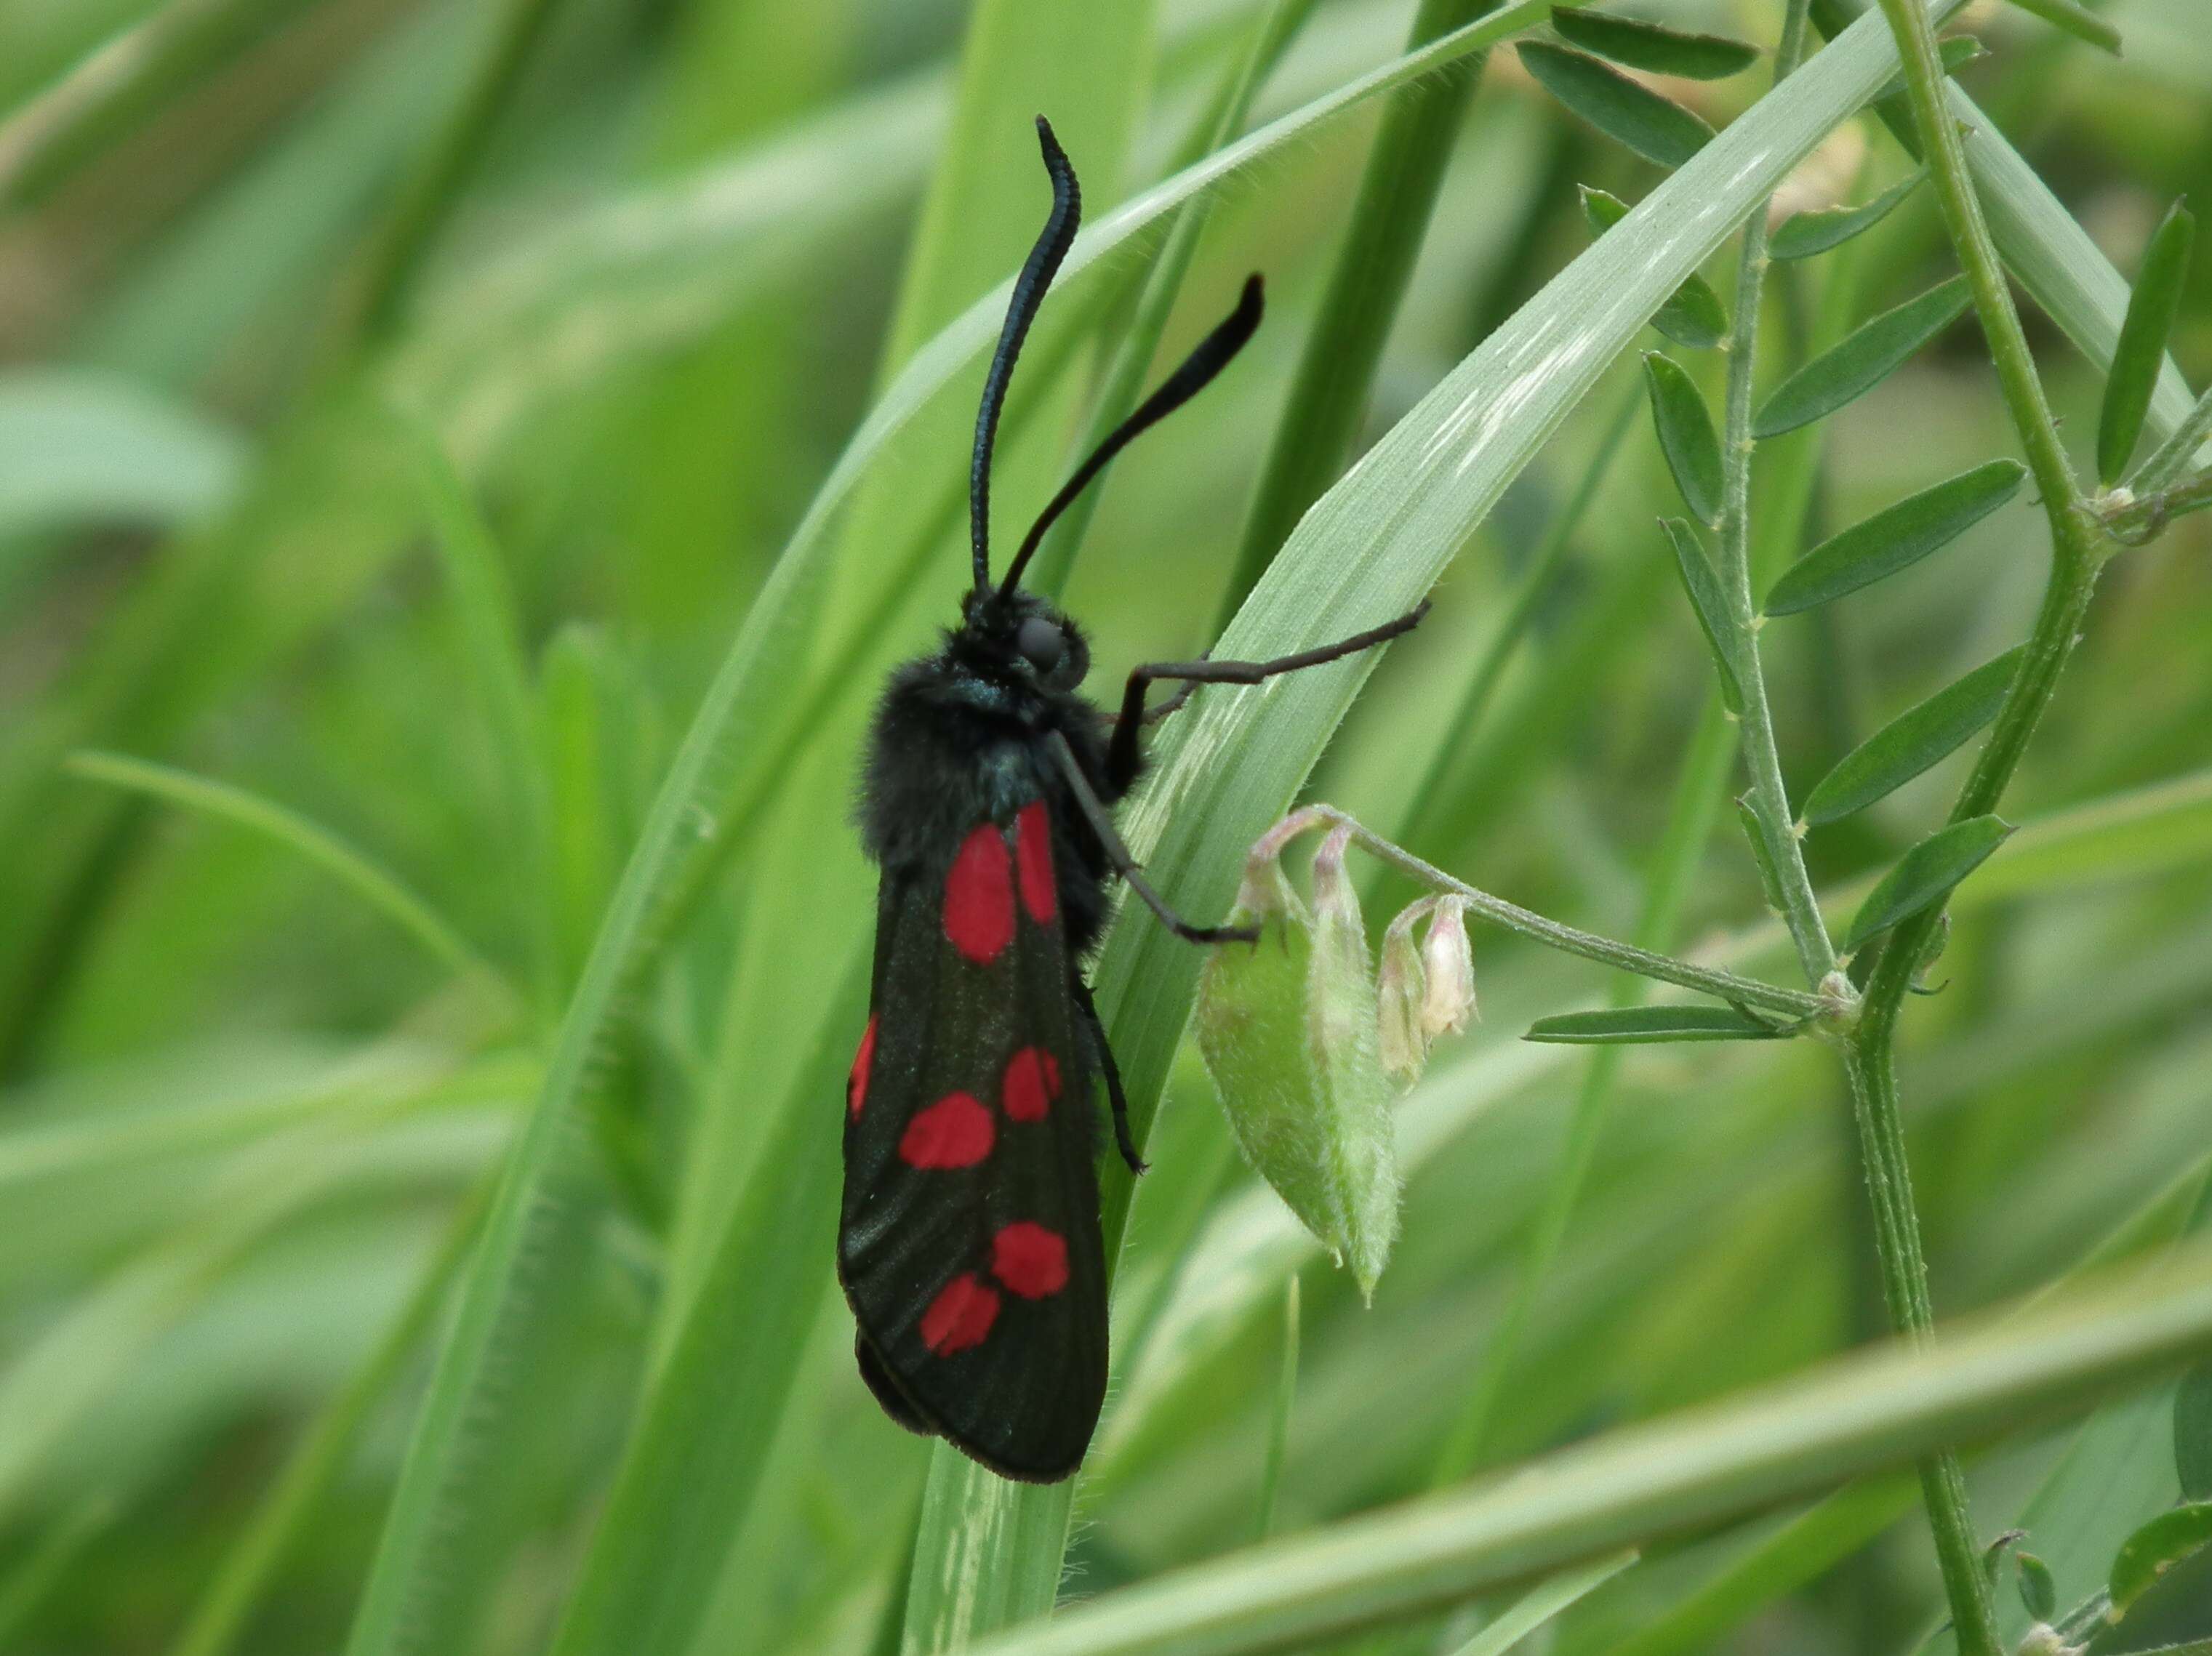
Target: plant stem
[1768,797]
[1571,940]
[1871,1059]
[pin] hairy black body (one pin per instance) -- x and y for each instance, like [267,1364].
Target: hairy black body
[969,1244]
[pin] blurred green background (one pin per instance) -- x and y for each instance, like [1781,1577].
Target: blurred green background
[251,1093]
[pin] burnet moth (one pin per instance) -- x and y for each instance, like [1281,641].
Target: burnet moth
[969,1246]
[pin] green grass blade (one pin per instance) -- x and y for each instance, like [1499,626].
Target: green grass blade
[1630,1025]
[2152,309]
[1626,111]
[1686,438]
[1910,742]
[1693,315]
[1925,874]
[1639,45]
[1806,235]
[1849,1416]
[1873,352]
[1896,537]
[312,843]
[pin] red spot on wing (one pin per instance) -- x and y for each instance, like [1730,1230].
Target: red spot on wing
[979,896]
[856,1084]
[960,1316]
[1029,1259]
[956,1131]
[1033,857]
[1032,1082]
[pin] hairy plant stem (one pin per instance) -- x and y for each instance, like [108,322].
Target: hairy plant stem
[1768,797]
[1871,1057]
[1571,940]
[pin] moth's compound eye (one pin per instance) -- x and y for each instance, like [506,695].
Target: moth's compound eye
[1042,643]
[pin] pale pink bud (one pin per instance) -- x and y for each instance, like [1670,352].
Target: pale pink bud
[1447,963]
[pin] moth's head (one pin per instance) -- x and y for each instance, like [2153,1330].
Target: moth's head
[1021,636]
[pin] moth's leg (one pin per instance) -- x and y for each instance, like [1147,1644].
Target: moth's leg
[1112,1071]
[1124,863]
[1123,755]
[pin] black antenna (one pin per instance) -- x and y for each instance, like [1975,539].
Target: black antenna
[1052,243]
[1213,353]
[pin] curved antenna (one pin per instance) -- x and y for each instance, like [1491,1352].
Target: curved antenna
[1212,354]
[1052,243]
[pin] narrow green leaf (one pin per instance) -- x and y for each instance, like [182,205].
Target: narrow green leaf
[1708,603]
[2156,1548]
[1895,537]
[2075,19]
[1802,235]
[2192,1433]
[1863,361]
[2038,1591]
[1925,874]
[1643,1025]
[1686,434]
[1693,315]
[2152,308]
[1640,44]
[1658,129]
[1955,52]
[1911,742]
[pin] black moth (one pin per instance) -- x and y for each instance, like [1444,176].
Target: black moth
[969,1245]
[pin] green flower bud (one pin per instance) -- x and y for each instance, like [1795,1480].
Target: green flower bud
[1287,1027]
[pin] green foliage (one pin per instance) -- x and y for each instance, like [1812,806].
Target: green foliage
[1685,426]
[1848,371]
[1810,233]
[1925,876]
[1919,736]
[1626,111]
[1639,45]
[1896,537]
[2141,353]
[1640,1025]
[435,941]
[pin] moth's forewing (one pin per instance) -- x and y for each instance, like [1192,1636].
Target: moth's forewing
[969,1246]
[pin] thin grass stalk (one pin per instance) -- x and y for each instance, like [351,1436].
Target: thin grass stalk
[1870,1059]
